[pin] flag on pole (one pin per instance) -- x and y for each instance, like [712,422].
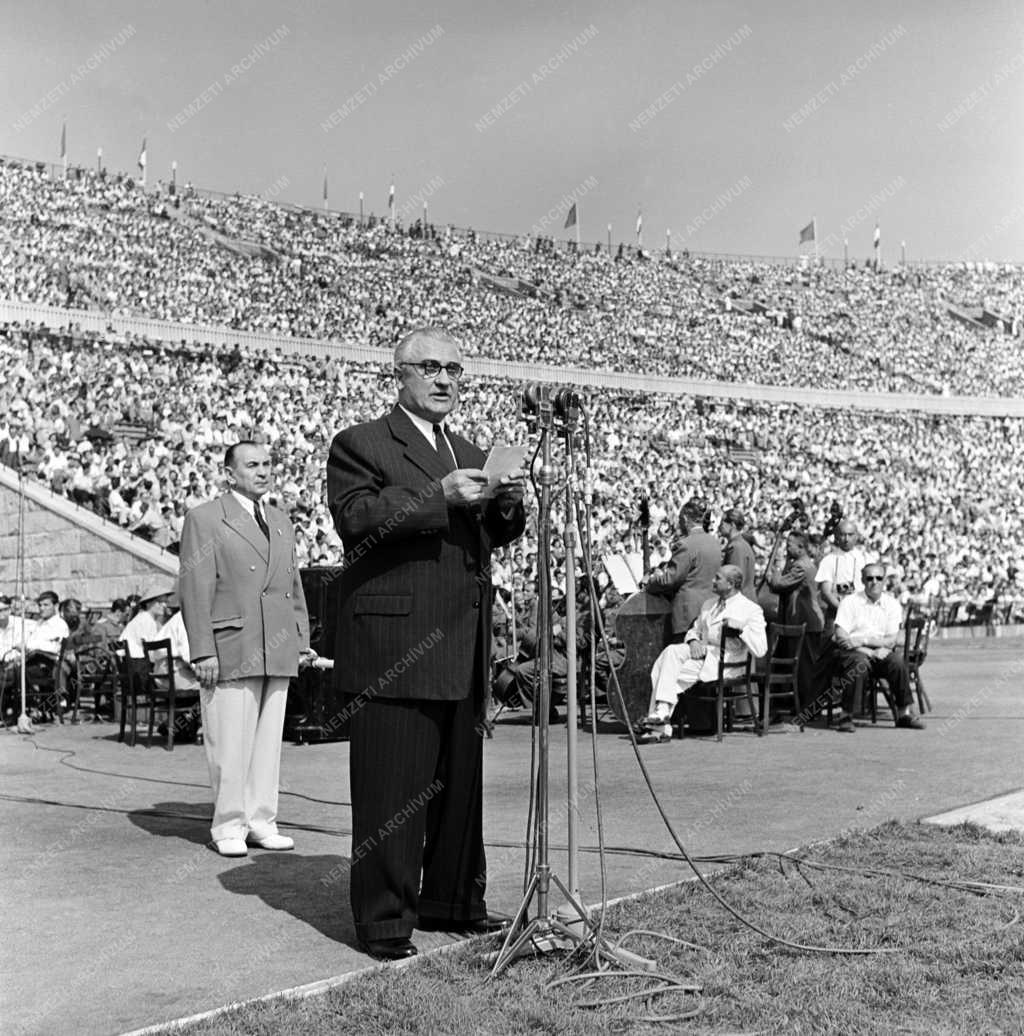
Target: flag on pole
[878,242]
[391,201]
[639,225]
[64,145]
[142,160]
[325,187]
[570,219]
[807,234]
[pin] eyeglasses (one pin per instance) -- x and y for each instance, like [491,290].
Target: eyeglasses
[874,579]
[430,369]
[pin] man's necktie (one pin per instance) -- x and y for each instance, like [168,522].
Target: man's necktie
[444,451]
[257,510]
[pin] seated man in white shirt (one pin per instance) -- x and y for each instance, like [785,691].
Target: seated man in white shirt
[866,632]
[186,684]
[49,630]
[147,622]
[680,666]
[12,636]
[185,678]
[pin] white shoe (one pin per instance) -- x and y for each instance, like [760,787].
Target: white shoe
[231,847]
[275,842]
[656,735]
[655,721]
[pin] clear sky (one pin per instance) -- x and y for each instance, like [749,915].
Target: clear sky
[910,113]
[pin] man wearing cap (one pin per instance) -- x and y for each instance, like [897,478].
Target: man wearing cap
[245,616]
[150,617]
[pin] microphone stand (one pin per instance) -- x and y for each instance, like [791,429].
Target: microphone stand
[544,933]
[549,932]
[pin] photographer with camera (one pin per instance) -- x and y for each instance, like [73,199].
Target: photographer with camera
[839,572]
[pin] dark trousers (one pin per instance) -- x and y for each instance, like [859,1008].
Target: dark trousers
[853,668]
[417,815]
[814,672]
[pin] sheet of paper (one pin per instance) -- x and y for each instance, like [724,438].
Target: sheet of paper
[618,569]
[636,565]
[504,460]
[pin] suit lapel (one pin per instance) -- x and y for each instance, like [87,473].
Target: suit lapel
[275,521]
[417,449]
[246,527]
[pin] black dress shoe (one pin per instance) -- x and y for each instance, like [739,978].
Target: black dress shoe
[388,949]
[477,926]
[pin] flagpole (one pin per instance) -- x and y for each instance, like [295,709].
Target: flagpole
[609,237]
[143,161]
[99,160]
[360,208]
[814,232]
[578,213]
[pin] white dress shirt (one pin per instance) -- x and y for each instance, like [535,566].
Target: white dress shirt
[842,567]
[426,429]
[46,635]
[864,619]
[10,638]
[142,627]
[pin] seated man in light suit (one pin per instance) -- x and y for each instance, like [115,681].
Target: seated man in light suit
[680,666]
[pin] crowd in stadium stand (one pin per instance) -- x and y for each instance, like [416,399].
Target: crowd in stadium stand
[100,242]
[936,497]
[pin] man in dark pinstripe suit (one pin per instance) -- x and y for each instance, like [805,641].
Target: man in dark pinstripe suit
[418,521]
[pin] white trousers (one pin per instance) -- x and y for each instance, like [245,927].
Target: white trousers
[242,725]
[672,673]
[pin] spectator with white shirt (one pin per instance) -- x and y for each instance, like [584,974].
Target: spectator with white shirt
[866,634]
[49,630]
[148,620]
[839,571]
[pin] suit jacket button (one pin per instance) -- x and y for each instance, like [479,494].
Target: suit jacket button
[287,595]
[476,604]
[252,568]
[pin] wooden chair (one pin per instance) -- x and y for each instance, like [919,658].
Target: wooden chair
[916,634]
[779,677]
[162,691]
[130,684]
[734,682]
[873,687]
[41,683]
[94,674]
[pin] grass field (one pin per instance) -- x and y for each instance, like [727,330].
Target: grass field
[944,905]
